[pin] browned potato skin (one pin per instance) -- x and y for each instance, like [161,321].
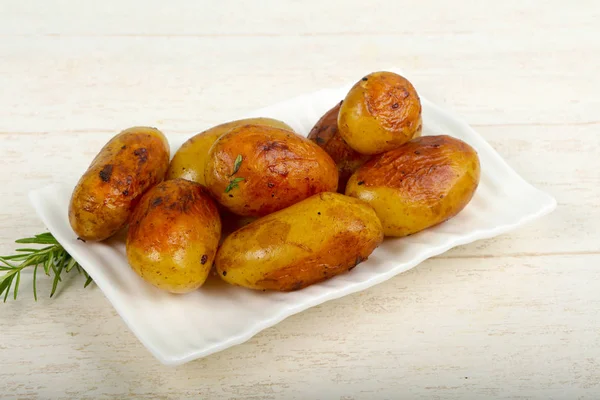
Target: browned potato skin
[129,164]
[173,236]
[313,240]
[279,168]
[381,112]
[325,133]
[189,162]
[418,185]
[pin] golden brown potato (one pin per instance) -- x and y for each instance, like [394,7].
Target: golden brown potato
[326,134]
[128,165]
[311,241]
[189,161]
[381,112]
[420,184]
[255,170]
[173,236]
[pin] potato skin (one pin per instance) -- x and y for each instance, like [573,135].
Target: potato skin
[418,185]
[278,168]
[313,240]
[173,236]
[326,134]
[381,112]
[189,162]
[129,164]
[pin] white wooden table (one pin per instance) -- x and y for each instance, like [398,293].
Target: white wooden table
[513,317]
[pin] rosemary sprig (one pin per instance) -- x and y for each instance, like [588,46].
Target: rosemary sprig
[233,184]
[236,164]
[236,167]
[52,258]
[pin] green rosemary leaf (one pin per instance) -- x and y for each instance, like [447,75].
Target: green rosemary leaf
[34,281]
[16,289]
[233,184]
[70,264]
[48,263]
[56,280]
[53,258]
[236,165]
[9,265]
[6,286]
[7,276]
[37,240]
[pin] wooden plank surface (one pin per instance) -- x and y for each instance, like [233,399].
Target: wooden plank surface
[515,317]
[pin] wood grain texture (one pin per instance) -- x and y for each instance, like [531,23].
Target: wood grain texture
[514,317]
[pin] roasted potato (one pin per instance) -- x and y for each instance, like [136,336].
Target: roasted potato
[255,170]
[420,184]
[189,162]
[325,133]
[311,241]
[381,112]
[128,165]
[173,236]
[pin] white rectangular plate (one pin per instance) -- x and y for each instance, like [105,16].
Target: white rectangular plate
[181,328]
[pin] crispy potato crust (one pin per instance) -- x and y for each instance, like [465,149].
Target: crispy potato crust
[126,167]
[189,162]
[381,112]
[311,241]
[173,236]
[277,169]
[420,184]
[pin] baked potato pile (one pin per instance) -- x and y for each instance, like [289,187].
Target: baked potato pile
[269,208]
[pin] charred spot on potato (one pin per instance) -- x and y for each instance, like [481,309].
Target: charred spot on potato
[297,285]
[274,145]
[156,201]
[270,184]
[224,273]
[141,154]
[395,105]
[106,172]
[125,192]
[203,259]
[230,195]
[360,183]
[319,213]
[123,147]
[364,79]
[83,240]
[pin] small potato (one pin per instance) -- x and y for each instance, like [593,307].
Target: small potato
[255,170]
[313,240]
[128,165]
[173,236]
[189,161]
[381,112]
[326,134]
[420,184]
